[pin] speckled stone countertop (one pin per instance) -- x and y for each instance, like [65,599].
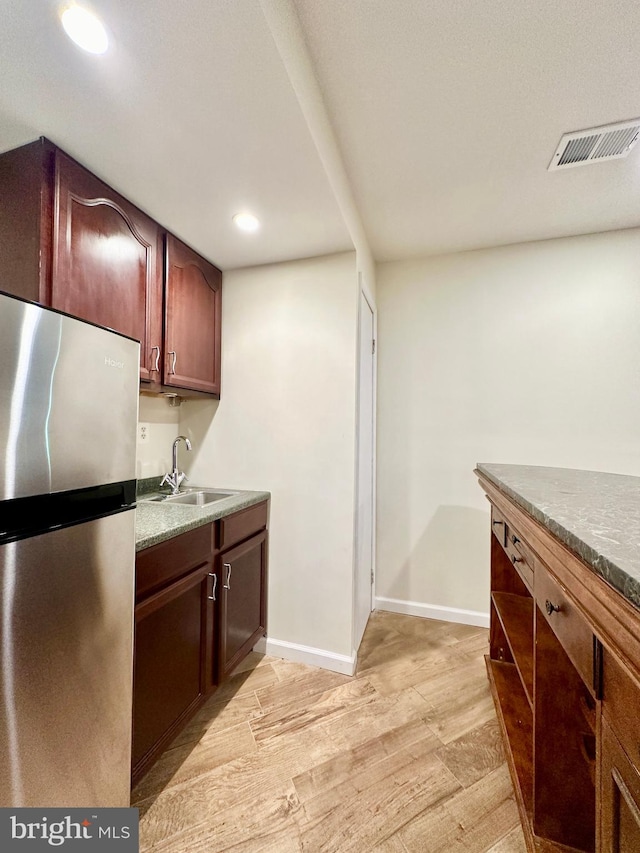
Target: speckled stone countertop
[156,522]
[596,515]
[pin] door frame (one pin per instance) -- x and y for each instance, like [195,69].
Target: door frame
[364,293]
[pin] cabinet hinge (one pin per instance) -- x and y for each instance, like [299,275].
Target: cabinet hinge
[597,667]
[373,347]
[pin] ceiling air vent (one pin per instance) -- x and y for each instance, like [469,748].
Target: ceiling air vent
[608,142]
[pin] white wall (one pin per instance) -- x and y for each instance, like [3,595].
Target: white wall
[526,354]
[153,455]
[286,423]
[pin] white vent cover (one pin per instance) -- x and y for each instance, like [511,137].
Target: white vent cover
[608,142]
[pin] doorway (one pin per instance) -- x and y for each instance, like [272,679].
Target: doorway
[363,574]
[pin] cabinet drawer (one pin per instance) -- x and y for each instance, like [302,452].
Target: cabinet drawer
[621,705]
[520,556]
[160,564]
[234,528]
[498,526]
[567,623]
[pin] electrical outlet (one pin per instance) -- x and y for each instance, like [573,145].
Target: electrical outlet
[143,433]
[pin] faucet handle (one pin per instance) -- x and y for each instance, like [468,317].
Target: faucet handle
[181,478]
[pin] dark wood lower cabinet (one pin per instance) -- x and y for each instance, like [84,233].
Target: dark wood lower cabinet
[243,617]
[173,651]
[198,614]
[564,670]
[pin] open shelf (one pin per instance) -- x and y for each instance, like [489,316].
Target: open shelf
[516,721]
[516,617]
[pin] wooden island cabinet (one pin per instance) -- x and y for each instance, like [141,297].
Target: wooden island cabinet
[564,657]
[201,600]
[71,242]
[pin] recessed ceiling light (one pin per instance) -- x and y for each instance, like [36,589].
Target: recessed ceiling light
[85,29]
[246,221]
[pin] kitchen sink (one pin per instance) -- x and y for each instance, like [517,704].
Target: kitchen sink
[193,497]
[201,497]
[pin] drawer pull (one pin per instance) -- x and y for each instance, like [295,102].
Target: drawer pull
[515,559]
[498,522]
[551,608]
[515,539]
[213,575]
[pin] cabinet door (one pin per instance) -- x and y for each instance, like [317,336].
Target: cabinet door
[619,798]
[193,303]
[107,261]
[243,573]
[172,646]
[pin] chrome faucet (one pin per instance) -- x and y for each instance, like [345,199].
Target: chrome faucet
[175,478]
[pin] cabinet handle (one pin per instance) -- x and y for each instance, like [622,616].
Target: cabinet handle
[551,608]
[227,566]
[156,366]
[213,575]
[515,539]
[173,362]
[515,559]
[498,522]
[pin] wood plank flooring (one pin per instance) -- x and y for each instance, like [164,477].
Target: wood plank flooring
[405,757]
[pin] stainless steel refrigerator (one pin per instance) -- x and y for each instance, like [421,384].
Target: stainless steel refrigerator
[68,423]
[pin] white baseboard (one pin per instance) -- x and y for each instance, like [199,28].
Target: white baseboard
[307,654]
[433,611]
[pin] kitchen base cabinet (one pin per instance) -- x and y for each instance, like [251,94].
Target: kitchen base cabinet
[564,675]
[175,626]
[172,629]
[200,609]
[242,622]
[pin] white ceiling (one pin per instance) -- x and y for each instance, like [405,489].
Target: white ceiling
[446,112]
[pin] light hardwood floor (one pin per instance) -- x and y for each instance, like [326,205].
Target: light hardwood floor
[405,756]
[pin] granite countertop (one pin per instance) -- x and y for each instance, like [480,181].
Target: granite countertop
[157,522]
[596,515]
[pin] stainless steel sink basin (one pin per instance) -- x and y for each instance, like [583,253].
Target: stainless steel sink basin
[193,497]
[202,497]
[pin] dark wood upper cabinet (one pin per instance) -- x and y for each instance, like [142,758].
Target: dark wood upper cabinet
[69,241]
[106,260]
[192,317]
[26,219]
